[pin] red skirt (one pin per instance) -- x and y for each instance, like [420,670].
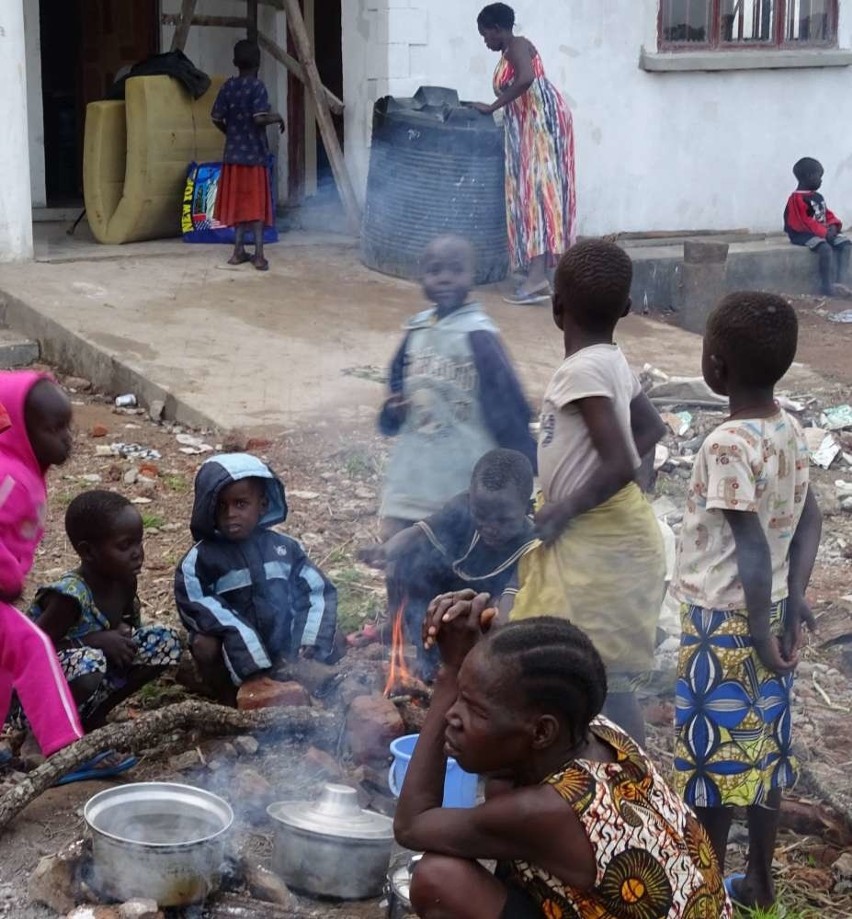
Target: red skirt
[244,195]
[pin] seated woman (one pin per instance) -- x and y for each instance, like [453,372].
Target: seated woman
[92,614]
[583,825]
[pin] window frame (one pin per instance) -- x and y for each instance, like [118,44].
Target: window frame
[777,43]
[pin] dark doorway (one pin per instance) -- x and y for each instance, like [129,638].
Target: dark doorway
[84,43]
[328,52]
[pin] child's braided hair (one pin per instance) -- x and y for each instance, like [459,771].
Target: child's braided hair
[560,669]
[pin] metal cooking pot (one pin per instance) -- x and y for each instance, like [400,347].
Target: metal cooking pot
[398,888]
[157,840]
[331,847]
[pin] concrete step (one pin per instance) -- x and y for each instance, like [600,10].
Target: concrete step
[17,350]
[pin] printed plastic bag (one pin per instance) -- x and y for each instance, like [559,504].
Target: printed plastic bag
[198,224]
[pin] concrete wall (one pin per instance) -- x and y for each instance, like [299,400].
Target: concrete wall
[654,151]
[16,235]
[34,103]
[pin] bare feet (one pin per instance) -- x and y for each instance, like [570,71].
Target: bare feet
[261,263]
[239,258]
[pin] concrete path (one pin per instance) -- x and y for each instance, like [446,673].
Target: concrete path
[304,343]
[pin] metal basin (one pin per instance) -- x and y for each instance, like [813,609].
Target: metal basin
[157,840]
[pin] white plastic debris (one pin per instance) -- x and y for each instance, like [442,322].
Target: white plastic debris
[191,445]
[823,448]
[837,418]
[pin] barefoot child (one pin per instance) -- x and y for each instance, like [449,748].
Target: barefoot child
[476,540]
[750,536]
[249,597]
[454,395]
[92,614]
[603,562]
[583,825]
[809,222]
[242,113]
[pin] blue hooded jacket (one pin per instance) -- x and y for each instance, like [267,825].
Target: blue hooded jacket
[262,596]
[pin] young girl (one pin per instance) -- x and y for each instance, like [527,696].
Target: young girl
[242,113]
[750,535]
[38,437]
[603,562]
[92,613]
[583,825]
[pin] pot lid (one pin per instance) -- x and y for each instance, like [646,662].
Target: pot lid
[335,813]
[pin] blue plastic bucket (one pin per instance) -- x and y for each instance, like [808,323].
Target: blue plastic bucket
[459,786]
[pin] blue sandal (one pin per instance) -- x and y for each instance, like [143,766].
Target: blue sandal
[94,770]
[730,880]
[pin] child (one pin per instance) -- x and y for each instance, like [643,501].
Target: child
[602,564]
[750,536]
[583,825]
[242,113]
[474,540]
[809,222]
[92,614]
[248,596]
[454,394]
[39,436]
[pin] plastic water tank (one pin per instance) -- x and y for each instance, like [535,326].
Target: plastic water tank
[436,167]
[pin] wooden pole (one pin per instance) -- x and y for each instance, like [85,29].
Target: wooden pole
[280,55]
[224,22]
[316,90]
[251,20]
[187,8]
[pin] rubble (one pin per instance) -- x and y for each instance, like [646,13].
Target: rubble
[371,724]
[140,909]
[54,882]
[268,693]
[266,886]
[246,745]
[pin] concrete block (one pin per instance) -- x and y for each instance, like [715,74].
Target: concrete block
[408,26]
[398,62]
[17,350]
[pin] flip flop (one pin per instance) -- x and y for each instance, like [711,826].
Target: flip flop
[93,770]
[779,910]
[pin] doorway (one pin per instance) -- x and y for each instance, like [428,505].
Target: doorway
[84,44]
[309,168]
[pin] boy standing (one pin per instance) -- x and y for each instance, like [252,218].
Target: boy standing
[809,222]
[750,536]
[248,596]
[453,394]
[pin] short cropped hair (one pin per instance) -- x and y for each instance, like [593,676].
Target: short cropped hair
[558,668]
[501,469]
[496,16]
[756,334]
[593,282]
[246,55]
[805,167]
[89,517]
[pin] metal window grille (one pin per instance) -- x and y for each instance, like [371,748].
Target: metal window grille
[732,24]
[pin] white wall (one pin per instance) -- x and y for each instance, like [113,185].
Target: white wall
[34,103]
[654,151]
[16,232]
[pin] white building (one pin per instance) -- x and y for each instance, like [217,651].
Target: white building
[688,113]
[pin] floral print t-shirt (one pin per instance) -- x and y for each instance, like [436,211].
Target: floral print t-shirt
[756,465]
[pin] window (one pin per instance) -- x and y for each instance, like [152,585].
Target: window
[731,24]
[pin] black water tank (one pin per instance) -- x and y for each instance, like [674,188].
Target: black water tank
[436,167]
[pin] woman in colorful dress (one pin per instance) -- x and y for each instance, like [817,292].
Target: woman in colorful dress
[541,204]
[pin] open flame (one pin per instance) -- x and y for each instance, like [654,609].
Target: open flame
[398,672]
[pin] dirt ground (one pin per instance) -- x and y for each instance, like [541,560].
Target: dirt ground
[333,473]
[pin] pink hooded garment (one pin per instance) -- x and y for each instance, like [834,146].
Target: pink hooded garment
[28,661]
[23,491]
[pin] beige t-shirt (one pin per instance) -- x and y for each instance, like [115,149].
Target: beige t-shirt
[754,465]
[567,458]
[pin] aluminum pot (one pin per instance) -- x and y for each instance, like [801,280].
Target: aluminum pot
[331,847]
[398,887]
[157,840]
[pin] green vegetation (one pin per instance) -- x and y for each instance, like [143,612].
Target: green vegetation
[152,521]
[358,600]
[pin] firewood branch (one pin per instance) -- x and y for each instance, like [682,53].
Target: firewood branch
[203,717]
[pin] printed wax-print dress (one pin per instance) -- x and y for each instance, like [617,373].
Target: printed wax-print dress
[654,860]
[734,727]
[541,205]
[159,646]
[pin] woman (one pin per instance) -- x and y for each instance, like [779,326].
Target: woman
[541,209]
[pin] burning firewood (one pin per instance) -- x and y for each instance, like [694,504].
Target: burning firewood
[203,717]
